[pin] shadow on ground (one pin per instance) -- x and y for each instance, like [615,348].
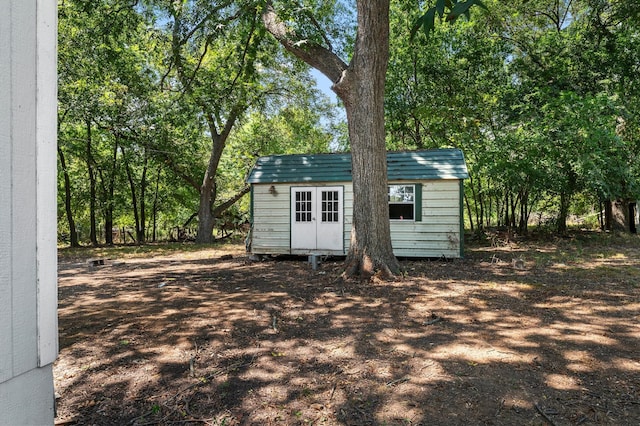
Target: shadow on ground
[201,340]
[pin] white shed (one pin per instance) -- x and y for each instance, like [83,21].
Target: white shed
[302,204]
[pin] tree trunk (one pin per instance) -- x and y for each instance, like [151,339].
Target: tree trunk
[93,232]
[73,233]
[506,209]
[565,201]
[469,213]
[108,190]
[206,220]
[620,217]
[608,215]
[208,189]
[362,91]
[360,86]
[154,214]
[141,231]
[134,198]
[523,227]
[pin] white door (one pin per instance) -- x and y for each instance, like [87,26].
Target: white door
[317,218]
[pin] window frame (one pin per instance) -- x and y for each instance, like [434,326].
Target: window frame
[413,202]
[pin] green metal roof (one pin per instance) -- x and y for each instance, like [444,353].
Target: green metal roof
[406,165]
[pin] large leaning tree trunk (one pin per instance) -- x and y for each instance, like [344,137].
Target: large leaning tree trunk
[360,85]
[207,213]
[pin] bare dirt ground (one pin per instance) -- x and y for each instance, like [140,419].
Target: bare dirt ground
[196,337]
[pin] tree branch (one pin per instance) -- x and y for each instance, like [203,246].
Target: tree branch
[319,57]
[222,207]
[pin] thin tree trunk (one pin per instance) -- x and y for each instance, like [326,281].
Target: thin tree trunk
[93,231]
[134,198]
[478,216]
[561,223]
[73,233]
[108,190]
[141,231]
[514,210]
[506,209]
[524,212]
[154,215]
[466,201]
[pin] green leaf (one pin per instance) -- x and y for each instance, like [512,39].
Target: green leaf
[429,21]
[440,4]
[459,9]
[416,26]
[481,4]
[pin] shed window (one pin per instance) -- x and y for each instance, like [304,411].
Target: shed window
[402,202]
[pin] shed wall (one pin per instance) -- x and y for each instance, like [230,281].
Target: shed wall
[271,219]
[437,235]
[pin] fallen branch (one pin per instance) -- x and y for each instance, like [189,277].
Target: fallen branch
[333,390]
[434,319]
[544,414]
[398,381]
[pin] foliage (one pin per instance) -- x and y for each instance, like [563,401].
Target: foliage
[144,90]
[541,95]
[538,95]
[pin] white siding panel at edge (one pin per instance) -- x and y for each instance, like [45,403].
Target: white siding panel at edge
[23,188]
[6,323]
[271,220]
[46,220]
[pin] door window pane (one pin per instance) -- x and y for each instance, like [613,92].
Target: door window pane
[330,205]
[303,206]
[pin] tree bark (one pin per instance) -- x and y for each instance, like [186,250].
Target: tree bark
[93,233]
[138,213]
[108,190]
[362,91]
[73,233]
[208,189]
[154,216]
[142,230]
[565,202]
[360,86]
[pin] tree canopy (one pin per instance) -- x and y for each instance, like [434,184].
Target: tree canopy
[164,106]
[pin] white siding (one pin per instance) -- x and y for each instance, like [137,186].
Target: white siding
[46,174]
[271,220]
[22,196]
[28,294]
[6,323]
[348,215]
[437,235]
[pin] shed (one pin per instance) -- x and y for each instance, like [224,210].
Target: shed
[303,204]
